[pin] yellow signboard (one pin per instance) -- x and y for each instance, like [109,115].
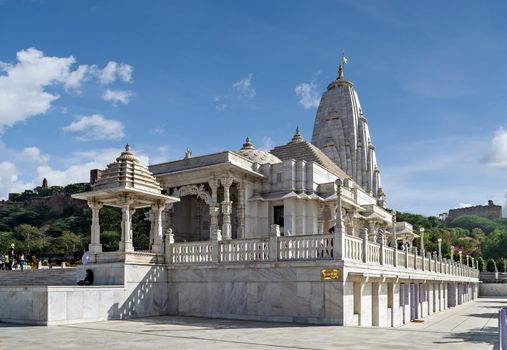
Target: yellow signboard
[329,274]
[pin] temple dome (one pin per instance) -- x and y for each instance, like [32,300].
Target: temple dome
[341,132]
[127,172]
[249,152]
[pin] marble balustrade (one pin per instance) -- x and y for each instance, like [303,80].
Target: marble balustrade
[309,247]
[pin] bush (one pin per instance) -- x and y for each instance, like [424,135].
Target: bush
[501,265]
[491,267]
[480,262]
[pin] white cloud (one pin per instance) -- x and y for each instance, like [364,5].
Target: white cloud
[113,71]
[464,205]
[25,84]
[219,104]
[125,72]
[76,77]
[497,156]
[96,127]
[308,95]
[9,180]
[240,90]
[157,131]
[23,91]
[267,144]
[116,96]
[244,88]
[34,154]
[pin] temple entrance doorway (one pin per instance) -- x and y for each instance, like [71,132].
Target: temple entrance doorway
[191,220]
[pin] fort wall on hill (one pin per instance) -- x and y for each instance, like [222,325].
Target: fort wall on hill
[490,211]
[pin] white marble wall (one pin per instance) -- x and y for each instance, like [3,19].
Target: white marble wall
[273,293]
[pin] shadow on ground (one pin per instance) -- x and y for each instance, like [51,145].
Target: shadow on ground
[487,335]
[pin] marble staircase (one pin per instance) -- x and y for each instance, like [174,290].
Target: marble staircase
[44,277]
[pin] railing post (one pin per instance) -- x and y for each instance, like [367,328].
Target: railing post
[365,244]
[273,242]
[215,246]
[415,258]
[406,256]
[168,242]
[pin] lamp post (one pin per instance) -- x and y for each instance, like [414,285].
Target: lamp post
[421,231]
[394,239]
[439,249]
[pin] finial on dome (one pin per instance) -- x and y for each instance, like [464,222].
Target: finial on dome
[297,136]
[247,144]
[188,153]
[127,148]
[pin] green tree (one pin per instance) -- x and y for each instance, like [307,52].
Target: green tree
[491,266]
[68,243]
[501,265]
[495,244]
[480,262]
[110,240]
[470,222]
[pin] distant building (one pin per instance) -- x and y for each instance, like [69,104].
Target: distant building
[490,211]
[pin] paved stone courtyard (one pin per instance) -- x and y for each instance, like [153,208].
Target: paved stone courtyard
[469,326]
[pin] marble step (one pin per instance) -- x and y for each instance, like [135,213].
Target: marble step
[39,277]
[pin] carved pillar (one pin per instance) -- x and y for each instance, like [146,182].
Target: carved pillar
[371,229]
[226,208]
[339,231]
[460,253]
[320,219]
[213,208]
[452,254]
[439,249]
[381,240]
[150,218]
[350,226]
[95,246]
[126,227]
[156,210]
[365,244]
[241,209]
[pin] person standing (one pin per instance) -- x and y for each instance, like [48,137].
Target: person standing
[6,262]
[1,262]
[22,262]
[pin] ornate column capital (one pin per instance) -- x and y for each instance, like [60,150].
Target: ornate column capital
[94,204]
[226,180]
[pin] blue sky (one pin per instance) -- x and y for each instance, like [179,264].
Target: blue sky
[79,79]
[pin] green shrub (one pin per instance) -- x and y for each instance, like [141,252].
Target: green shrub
[491,267]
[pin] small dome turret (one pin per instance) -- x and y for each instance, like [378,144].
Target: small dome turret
[249,152]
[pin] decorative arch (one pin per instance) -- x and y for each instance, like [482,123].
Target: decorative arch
[193,190]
